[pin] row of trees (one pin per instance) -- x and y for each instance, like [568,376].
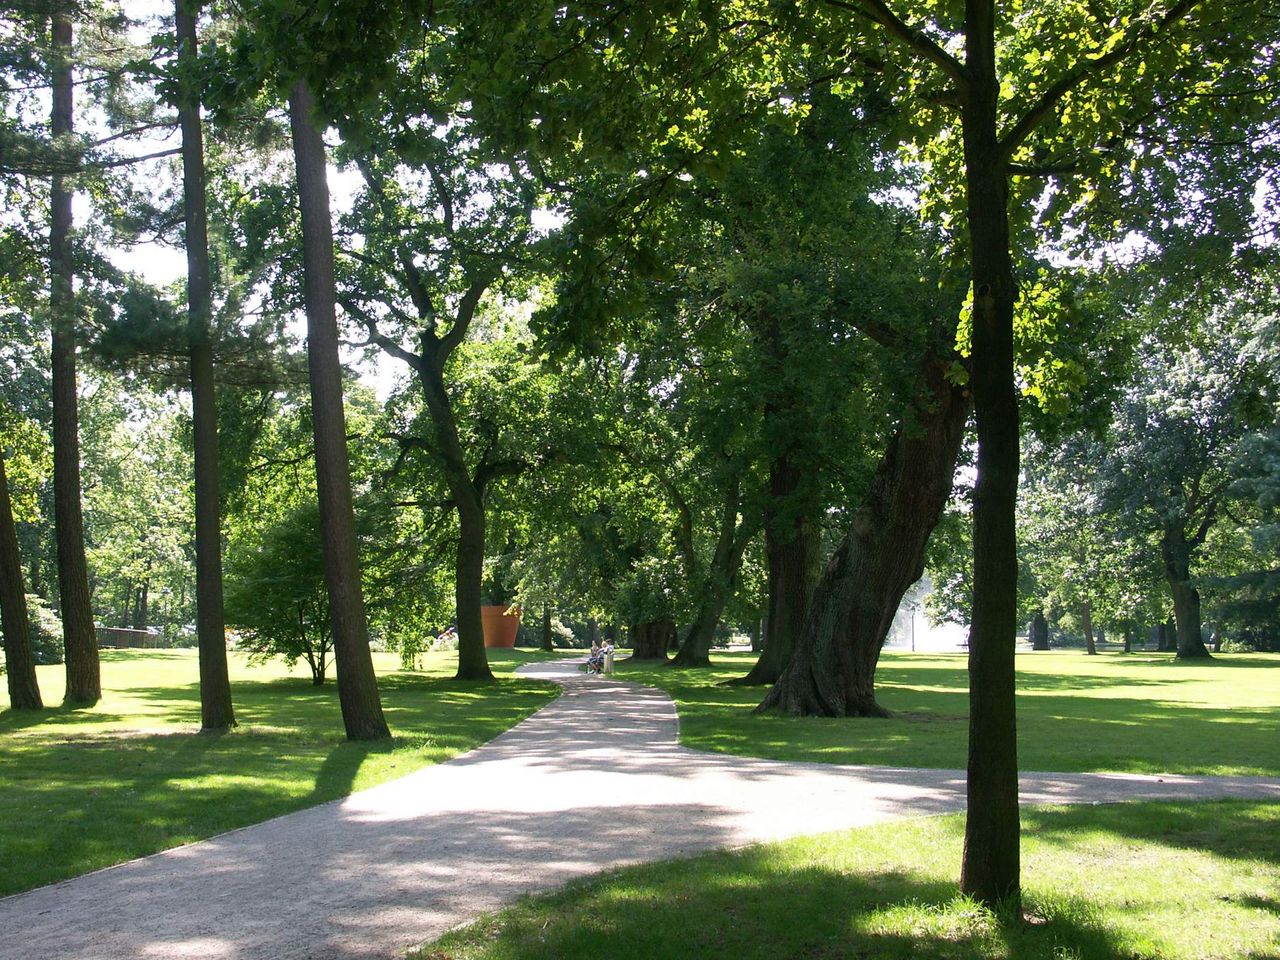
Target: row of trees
[686,299]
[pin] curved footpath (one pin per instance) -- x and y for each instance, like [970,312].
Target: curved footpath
[593,780]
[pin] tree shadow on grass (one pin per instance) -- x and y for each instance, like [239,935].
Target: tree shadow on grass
[755,905]
[74,800]
[1232,829]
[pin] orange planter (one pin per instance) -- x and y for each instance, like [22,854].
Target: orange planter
[499,626]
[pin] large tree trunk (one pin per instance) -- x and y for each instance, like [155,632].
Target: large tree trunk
[357,684]
[651,639]
[726,562]
[1039,631]
[20,662]
[84,683]
[1086,624]
[990,871]
[468,500]
[792,552]
[216,711]
[1176,554]
[473,660]
[832,670]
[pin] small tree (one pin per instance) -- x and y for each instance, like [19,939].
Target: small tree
[276,593]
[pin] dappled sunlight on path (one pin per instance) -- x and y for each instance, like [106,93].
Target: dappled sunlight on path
[594,780]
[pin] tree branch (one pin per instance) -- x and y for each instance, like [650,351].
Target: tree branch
[1082,71]
[921,43]
[387,344]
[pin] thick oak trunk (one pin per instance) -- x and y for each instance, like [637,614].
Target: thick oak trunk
[1039,631]
[651,639]
[1176,554]
[20,662]
[473,661]
[84,683]
[990,871]
[357,685]
[832,670]
[216,711]
[792,553]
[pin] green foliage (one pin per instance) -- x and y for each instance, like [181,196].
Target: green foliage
[276,596]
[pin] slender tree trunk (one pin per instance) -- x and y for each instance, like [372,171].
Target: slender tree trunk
[1166,637]
[84,683]
[216,711]
[20,661]
[792,552]
[991,865]
[140,606]
[1176,553]
[548,643]
[1129,631]
[357,683]
[731,543]
[1086,620]
[832,671]
[1039,631]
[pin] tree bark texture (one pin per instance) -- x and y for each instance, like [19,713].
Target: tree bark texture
[793,542]
[84,683]
[990,871]
[1039,631]
[832,669]
[651,639]
[1176,553]
[357,685]
[726,562]
[216,710]
[1086,623]
[468,500]
[20,661]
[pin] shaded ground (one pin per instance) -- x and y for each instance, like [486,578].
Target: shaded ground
[593,780]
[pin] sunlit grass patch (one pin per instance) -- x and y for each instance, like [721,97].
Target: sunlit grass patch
[86,788]
[1141,713]
[1160,881]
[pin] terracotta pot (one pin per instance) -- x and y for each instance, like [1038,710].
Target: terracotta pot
[499,627]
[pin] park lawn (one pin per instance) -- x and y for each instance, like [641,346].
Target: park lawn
[1173,881]
[86,788]
[1137,713]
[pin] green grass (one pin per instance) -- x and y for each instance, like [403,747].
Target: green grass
[86,788]
[1141,713]
[1171,881]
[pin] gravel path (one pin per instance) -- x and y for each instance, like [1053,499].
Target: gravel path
[592,781]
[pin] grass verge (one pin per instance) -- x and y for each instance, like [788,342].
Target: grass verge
[1141,713]
[1172,881]
[86,788]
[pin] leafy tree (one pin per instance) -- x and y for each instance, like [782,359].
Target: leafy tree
[276,593]
[1169,467]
